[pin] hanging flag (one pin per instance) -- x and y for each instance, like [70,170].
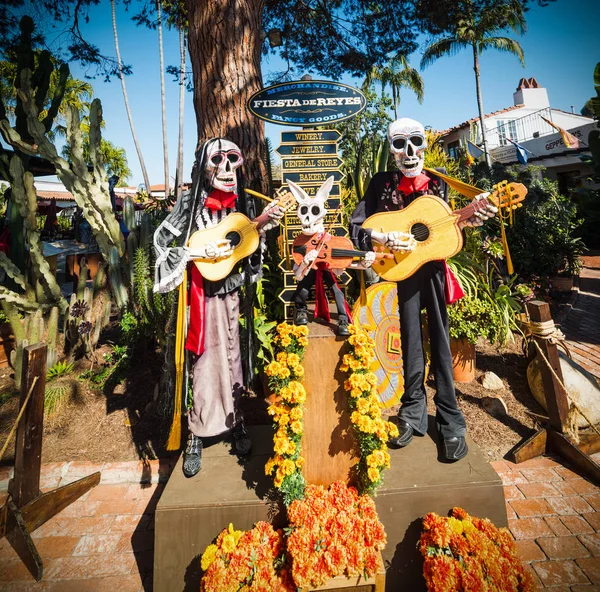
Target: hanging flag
[469,158]
[569,139]
[473,150]
[521,151]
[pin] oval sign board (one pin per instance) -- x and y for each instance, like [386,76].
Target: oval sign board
[307,102]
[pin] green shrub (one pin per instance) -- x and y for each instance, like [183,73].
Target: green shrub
[472,318]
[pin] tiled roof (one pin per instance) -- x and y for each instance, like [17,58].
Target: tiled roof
[470,121]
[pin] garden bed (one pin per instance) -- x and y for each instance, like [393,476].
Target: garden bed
[122,423]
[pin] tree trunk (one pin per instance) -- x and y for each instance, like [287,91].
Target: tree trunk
[122,78]
[163,97]
[480,105]
[395,99]
[179,173]
[225,50]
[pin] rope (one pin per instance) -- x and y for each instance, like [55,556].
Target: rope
[548,331]
[14,428]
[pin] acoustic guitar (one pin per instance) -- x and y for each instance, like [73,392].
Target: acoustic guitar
[435,227]
[241,232]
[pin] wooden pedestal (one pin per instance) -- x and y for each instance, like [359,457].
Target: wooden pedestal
[192,512]
[358,584]
[328,443]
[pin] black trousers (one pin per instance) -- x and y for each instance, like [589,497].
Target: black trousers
[306,283]
[425,289]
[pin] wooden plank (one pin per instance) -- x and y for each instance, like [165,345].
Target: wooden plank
[28,444]
[47,505]
[569,451]
[20,540]
[589,443]
[328,442]
[556,398]
[529,448]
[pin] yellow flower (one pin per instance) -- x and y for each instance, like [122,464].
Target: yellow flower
[373,474]
[228,543]
[302,341]
[392,429]
[300,330]
[282,357]
[455,525]
[269,466]
[288,467]
[300,461]
[293,359]
[208,557]
[278,481]
[285,341]
[296,413]
[296,427]
[363,406]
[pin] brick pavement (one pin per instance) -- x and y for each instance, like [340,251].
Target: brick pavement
[582,325]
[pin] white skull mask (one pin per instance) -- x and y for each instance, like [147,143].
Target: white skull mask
[408,144]
[311,210]
[222,159]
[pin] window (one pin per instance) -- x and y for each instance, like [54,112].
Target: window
[454,149]
[507,128]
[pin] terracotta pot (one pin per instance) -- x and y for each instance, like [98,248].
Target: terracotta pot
[562,283]
[463,360]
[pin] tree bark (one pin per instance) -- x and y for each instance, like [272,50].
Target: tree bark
[480,105]
[163,101]
[179,173]
[127,108]
[225,50]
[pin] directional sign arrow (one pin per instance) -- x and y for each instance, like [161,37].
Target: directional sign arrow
[286,294]
[311,177]
[320,136]
[307,149]
[312,163]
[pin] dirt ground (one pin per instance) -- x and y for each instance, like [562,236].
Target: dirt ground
[119,422]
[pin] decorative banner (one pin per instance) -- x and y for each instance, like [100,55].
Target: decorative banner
[307,103]
[381,313]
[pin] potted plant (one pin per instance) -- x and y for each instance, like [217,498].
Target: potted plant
[469,319]
[571,249]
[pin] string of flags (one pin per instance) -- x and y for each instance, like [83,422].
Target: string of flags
[569,139]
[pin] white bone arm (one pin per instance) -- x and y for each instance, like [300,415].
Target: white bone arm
[365,262]
[303,268]
[276,213]
[212,250]
[395,241]
[481,216]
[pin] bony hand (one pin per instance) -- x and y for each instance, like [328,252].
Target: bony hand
[213,251]
[489,210]
[276,213]
[366,261]
[310,257]
[400,241]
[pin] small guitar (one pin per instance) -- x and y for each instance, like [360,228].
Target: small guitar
[435,227]
[241,232]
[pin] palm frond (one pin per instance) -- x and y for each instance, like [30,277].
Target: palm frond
[502,44]
[446,46]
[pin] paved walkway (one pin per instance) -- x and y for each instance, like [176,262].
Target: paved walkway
[582,326]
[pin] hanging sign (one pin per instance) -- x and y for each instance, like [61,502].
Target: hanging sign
[307,103]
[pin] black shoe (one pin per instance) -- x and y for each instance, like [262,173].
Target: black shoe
[241,443]
[301,317]
[454,449]
[192,457]
[342,328]
[405,435]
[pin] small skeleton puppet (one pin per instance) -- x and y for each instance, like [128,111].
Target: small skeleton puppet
[311,213]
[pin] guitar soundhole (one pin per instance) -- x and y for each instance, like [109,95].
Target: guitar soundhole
[420,232]
[234,238]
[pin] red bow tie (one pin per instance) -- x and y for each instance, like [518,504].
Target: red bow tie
[219,200]
[409,185]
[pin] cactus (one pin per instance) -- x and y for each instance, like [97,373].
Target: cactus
[129,214]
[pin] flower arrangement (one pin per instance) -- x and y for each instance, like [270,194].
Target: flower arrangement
[333,532]
[250,561]
[372,431]
[467,553]
[285,374]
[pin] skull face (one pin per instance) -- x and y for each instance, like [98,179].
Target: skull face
[408,145]
[223,158]
[311,210]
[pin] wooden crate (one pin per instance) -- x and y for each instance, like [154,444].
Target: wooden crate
[375,583]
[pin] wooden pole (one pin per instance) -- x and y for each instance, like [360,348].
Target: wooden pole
[28,445]
[556,398]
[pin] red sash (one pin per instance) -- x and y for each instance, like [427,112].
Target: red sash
[195,335]
[452,288]
[409,185]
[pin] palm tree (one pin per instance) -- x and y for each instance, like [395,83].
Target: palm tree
[397,73]
[127,108]
[477,31]
[162,95]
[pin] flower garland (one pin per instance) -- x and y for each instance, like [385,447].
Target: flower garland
[333,532]
[285,374]
[372,432]
[466,553]
[250,561]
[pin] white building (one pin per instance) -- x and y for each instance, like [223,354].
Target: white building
[523,123]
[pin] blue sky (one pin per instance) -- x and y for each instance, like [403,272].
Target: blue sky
[561,49]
